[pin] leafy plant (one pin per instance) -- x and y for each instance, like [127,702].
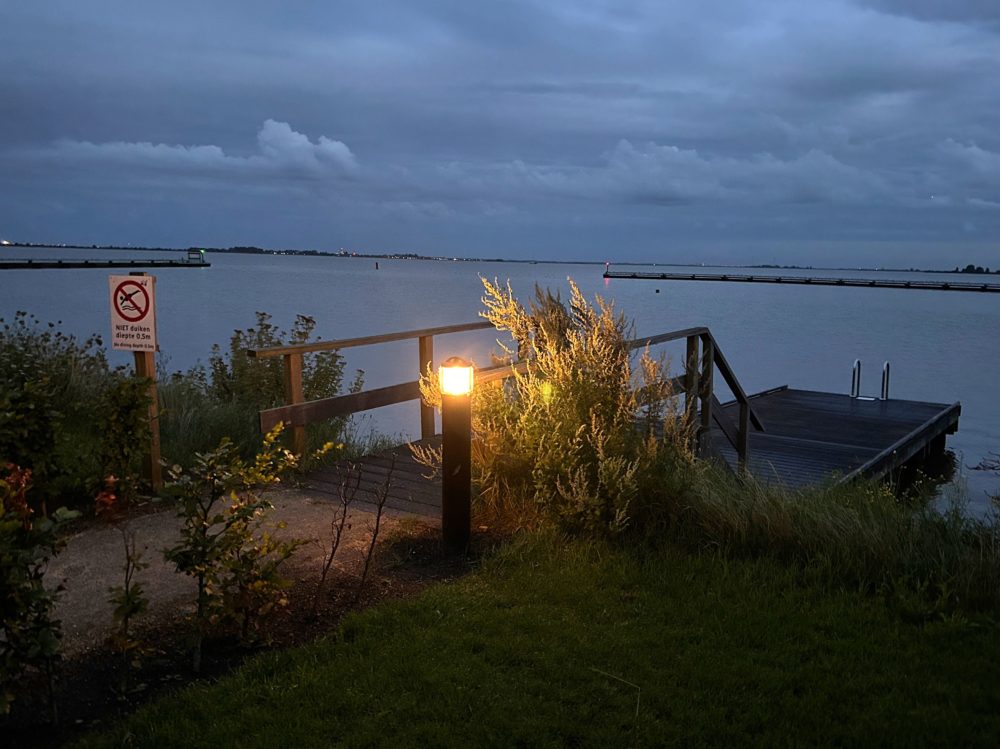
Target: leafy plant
[125,432]
[237,377]
[49,382]
[29,636]
[561,440]
[235,387]
[222,511]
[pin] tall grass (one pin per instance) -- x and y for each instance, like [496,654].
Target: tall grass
[922,558]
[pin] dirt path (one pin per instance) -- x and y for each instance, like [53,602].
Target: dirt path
[92,562]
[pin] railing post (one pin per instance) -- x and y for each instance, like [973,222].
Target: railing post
[293,395]
[707,366]
[426,351]
[743,439]
[691,381]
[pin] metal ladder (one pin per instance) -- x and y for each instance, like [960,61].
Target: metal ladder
[856,382]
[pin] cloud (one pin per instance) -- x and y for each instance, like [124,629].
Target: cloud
[283,154]
[667,175]
[979,160]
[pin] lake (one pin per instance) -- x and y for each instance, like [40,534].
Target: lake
[943,346]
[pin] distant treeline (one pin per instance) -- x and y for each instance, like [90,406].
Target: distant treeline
[970,268]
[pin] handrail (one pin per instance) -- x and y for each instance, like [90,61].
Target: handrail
[674,335]
[697,383]
[294,395]
[729,376]
[308,348]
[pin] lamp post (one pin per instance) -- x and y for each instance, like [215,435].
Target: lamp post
[456,447]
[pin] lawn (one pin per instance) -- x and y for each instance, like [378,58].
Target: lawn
[554,643]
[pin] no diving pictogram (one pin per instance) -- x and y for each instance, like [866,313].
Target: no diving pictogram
[131,301]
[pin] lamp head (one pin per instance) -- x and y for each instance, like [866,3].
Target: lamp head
[456,376]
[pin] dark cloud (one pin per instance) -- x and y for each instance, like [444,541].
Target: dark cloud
[521,128]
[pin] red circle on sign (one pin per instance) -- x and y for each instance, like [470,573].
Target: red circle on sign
[129,307]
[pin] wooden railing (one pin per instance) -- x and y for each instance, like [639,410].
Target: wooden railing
[703,356]
[699,387]
[297,412]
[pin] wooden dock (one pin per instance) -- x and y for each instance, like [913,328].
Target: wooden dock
[785,436]
[811,437]
[867,283]
[32,264]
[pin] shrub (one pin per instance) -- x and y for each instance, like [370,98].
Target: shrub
[123,415]
[49,382]
[234,564]
[562,439]
[202,406]
[237,377]
[29,637]
[63,409]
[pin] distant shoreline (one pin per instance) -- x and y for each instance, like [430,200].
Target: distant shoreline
[969,269]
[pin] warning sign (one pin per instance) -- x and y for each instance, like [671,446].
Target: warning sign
[133,312]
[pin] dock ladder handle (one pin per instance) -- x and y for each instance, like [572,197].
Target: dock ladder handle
[856,379]
[885,381]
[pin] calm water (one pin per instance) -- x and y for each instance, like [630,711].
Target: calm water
[943,346]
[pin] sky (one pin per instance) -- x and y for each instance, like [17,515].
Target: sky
[827,132]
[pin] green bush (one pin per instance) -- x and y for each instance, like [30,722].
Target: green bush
[562,441]
[49,385]
[64,413]
[29,637]
[201,406]
[223,546]
[123,415]
[236,377]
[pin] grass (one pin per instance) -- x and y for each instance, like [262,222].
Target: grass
[555,642]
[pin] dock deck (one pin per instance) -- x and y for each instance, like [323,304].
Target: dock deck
[812,436]
[410,491]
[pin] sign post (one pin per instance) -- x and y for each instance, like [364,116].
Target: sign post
[133,328]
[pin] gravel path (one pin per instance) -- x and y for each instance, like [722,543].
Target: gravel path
[92,562]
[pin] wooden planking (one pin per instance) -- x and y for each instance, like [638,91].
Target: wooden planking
[795,462]
[813,435]
[410,491]
[831,417]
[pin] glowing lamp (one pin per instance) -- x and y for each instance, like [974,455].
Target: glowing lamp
[456,453]
[456,376]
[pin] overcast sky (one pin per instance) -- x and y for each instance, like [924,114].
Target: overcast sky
[819,132]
